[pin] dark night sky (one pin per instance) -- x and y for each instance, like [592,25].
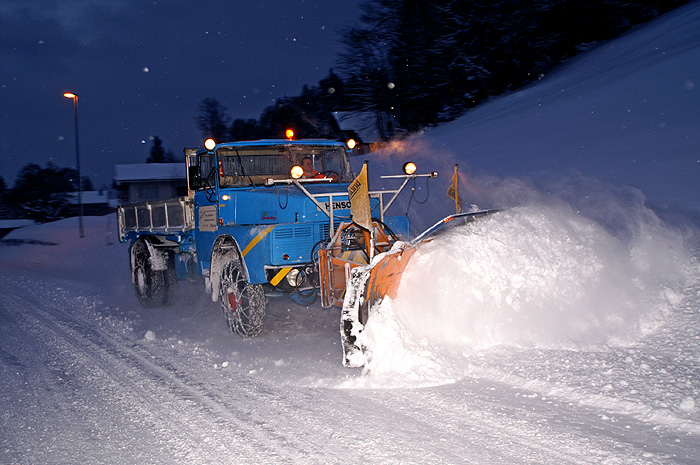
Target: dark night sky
[141,68]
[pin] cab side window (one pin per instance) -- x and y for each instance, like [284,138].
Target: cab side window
[206,165]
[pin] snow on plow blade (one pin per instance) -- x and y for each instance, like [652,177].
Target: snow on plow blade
[361,287]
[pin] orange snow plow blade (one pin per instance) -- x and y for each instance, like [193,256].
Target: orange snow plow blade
[384,278]
[359,277]
[349,248]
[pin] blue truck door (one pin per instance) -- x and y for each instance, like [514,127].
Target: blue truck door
[206,212]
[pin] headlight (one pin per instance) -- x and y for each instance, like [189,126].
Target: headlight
[296,172]
[295,277]
[409,168]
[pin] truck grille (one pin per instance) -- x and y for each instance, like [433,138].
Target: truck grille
[296,241]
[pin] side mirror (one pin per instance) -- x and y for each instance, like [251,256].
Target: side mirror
[194,177]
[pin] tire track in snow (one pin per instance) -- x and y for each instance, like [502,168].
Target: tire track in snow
[167,395]
[127,383]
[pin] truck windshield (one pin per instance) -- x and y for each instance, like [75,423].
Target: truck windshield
[245,166]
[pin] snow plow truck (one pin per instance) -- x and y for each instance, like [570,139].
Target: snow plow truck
[274,218]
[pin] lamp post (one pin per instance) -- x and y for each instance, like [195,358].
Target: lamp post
[73,96]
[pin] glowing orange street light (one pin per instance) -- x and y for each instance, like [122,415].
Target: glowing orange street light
[74,97]
[289,133]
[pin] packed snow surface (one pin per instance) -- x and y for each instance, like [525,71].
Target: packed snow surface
[564,329]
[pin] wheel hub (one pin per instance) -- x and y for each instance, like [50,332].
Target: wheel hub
[232,301]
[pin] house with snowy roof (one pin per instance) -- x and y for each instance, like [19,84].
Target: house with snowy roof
[145,182]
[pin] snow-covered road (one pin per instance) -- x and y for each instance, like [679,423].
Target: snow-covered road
[88,377]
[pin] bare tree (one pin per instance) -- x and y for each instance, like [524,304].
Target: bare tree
[213,120]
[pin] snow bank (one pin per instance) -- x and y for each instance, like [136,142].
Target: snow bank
[548,273]
[584,164]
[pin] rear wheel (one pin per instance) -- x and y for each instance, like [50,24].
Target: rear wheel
[242,303]
[154,287]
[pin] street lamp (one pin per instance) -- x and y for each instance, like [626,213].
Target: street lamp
[73,96]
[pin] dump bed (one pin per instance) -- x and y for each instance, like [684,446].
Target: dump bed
[170,216]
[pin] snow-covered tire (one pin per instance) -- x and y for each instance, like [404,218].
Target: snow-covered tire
[154,288]
[242,303]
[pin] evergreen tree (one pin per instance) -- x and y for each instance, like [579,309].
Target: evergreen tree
[365,61]
[244,129]
[286,113]
[42,193]
[158,153]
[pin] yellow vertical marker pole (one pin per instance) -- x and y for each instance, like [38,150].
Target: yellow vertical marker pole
[358,191]
[453,190]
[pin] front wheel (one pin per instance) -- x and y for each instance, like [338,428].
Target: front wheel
[242,303]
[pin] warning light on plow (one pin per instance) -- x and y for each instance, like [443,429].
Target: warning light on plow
[409,168]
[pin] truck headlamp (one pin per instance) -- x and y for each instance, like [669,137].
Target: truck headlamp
[296,172]
[409,168]
[295,277]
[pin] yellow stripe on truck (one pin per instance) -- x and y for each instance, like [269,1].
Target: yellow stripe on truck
[278,277]
[256,239]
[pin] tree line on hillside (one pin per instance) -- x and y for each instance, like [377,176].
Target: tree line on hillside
[41,194]
[429,62]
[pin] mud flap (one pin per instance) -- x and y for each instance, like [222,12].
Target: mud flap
[306,298]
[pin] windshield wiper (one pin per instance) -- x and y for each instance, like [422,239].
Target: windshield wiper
[240,162]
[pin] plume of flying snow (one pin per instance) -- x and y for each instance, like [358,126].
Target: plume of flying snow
[572,264]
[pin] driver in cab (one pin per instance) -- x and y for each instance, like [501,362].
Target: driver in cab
[309,172]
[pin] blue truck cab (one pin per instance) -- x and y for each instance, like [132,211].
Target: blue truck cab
[255,216]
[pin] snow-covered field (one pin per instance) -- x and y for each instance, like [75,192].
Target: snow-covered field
[565,329]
